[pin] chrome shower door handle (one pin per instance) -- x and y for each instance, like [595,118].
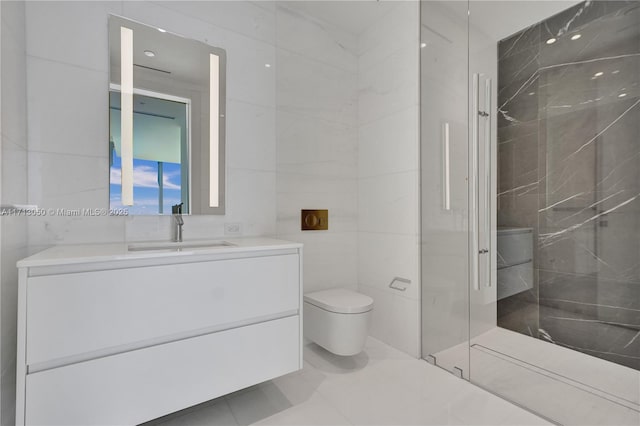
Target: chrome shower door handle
[480,203]
[473,190]
[487,177]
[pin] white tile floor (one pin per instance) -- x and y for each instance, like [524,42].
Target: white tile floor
[380,386]
[568,386]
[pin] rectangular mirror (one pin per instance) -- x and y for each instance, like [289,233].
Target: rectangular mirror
[166,121]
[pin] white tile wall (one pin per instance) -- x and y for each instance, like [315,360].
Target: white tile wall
[316,147]
[13,189]
[309,87]
[389,85]
[393,256]
[388,174]
[388,203]
[245,18]
[67,180]
[398,130]
[72,33]
[389,34]
[62,117]
[348,141]
[251,136]
[314,38]
[317,143]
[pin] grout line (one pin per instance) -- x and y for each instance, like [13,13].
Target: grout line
[176,10]
[399,172]
[318,61]
[68,154]
[389,114]
[293,110]
[54,61]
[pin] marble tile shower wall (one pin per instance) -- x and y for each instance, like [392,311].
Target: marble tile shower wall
[67,80]
[518,172]
[573,123]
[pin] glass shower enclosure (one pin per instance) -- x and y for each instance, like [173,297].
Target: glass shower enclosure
[530,159]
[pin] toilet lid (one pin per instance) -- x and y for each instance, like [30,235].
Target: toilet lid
[340,300]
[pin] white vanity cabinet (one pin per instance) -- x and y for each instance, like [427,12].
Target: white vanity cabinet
[122,338]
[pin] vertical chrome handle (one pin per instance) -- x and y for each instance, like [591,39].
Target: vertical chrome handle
[473,205]
[446,169]
[487,177]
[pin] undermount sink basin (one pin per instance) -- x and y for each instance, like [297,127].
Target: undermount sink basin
[179,245]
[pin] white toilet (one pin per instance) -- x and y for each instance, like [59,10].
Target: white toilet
[338,320]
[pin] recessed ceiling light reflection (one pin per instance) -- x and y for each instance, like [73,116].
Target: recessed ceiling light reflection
[552,40]
[615,72]
[576,36]
[532,93]
[423,44]
[149,53]
[267,65]
[622,95]
[598,74]
[161,30]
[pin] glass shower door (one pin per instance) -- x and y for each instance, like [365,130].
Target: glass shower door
[554,207]
[444,185]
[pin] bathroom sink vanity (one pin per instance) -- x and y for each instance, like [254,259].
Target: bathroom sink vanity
[110,335]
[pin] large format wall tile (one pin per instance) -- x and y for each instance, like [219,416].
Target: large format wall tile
[389,145]
[388,174]
[389,203]
[395,30]
[317,143]
[313,88]
[241,17]
[597,316]
[573,107]
[66,117]
[251,136]
[53,186]
[389,86]
[74,33]
[383,257]
[313,146]
[306,35]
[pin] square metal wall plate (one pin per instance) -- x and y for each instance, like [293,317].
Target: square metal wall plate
[314,220]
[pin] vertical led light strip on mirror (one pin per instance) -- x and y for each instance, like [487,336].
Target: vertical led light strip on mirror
[214,129]
[126,121]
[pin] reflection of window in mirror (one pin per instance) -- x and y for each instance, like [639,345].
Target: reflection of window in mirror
[161,138]
[167,102]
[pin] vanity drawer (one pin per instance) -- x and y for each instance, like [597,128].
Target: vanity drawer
[138,386]
[80,316]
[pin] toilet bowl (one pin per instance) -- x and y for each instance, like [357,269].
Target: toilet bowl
[338,320]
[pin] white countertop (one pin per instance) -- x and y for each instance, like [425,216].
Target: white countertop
[91,253]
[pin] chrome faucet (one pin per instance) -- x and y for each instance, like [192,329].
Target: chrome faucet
[176,212]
